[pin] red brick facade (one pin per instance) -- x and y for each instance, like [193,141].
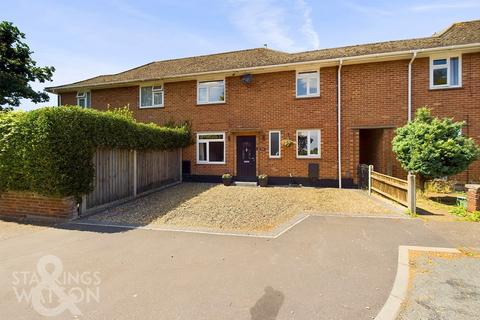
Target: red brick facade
[374,95]
[31,205]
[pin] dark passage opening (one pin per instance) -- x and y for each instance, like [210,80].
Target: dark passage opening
[372,149]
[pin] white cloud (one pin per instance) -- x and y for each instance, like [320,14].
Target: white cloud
[446,5]
[275,24]
[307,27]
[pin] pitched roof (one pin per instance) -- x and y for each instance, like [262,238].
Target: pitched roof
[457,34]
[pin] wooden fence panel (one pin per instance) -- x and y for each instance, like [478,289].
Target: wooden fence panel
[113,177]
[390,187]
[156,169]
[119,171]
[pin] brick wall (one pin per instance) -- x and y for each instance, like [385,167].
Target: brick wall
[69,98]
[28,205]
[374,95]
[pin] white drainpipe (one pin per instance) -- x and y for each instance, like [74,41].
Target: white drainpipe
[339,122]
[410,86]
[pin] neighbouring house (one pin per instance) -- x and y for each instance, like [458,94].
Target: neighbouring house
[338,106]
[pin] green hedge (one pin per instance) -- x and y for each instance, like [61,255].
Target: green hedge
[50,150]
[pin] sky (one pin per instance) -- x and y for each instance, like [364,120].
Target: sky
[83,39]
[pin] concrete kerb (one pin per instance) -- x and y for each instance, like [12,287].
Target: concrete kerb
[268,235]
[392,306]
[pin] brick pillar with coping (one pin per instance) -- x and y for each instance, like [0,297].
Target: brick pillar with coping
[473,197]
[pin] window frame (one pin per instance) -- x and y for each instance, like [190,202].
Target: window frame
[309,156]
[270,144]
[153,92]
[308,95]
[208,146]
[87,96]
[448,66]
[223,80]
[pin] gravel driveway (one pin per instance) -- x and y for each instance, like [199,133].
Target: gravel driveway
[238,208]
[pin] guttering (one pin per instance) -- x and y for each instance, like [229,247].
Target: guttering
[324,61]
[339,121]
[410,86]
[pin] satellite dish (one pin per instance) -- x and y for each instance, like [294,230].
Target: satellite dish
[247,78]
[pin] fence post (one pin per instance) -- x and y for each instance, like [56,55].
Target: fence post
[370,169]
[83,205]
[135,176]
[180,150]
[411,193]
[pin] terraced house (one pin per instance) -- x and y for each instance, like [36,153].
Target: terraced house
[313,116]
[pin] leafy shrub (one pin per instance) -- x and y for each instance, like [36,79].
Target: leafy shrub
[440,186]
[462,212]
[50,150]
[432,147]
[123,112]
[459,211]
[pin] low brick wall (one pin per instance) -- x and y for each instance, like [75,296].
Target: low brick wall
[27,205]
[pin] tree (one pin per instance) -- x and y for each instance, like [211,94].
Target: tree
[433,148]
[17,69]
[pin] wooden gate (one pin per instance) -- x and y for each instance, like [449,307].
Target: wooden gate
[363,176]
[401,191]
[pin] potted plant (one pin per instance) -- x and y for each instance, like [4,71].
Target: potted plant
[227,179]
[287,143]
[263,180]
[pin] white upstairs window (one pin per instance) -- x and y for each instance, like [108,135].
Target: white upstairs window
[446,72]
[308,84]
[151,97]
[211,92]
[83,99]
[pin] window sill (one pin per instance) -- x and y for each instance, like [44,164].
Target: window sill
[307,97]
[200,163]
[209,103]
[445,88]
[153,107]
[275,158]
[308,157]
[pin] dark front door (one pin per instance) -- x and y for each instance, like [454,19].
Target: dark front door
[246,158]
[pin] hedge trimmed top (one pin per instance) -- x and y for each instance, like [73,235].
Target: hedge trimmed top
[50,150]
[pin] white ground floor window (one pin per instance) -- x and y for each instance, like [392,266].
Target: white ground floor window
[211,147]
[308,143]
[274,147]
